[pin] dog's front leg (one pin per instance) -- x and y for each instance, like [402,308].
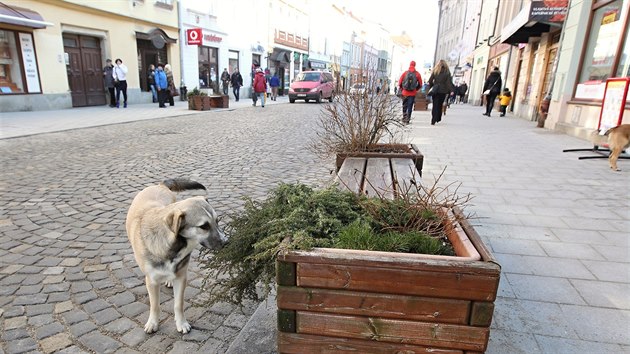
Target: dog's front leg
[179,285]
[153,288]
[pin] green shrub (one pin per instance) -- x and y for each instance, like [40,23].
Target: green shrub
[297,217]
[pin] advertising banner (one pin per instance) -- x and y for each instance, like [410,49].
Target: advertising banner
[548,10]
[613,104]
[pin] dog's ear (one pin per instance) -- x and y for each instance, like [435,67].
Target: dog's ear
[174,220]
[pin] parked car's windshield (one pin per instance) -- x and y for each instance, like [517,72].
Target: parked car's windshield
[314,77]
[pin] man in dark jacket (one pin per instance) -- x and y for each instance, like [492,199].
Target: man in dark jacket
[237,82]
[109,82]
[225,81]
[461,92]
[492,86]
[409,93]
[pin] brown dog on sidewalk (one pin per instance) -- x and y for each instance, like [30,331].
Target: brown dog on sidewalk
[163,233]
[618,140]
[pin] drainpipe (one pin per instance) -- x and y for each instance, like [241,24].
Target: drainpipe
[182,88]
[438,33]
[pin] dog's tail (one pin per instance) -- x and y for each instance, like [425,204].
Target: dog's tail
[181,184]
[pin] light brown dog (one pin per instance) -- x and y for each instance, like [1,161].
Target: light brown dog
[163,233]
[618,140]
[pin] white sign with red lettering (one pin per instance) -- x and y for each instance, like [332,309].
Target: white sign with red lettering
[194,36]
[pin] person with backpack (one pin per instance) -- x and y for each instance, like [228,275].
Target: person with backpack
[441,85]
[491,89]
[409,83]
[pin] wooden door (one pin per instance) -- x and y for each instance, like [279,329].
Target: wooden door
[75,77]
[84,70]
[148,57]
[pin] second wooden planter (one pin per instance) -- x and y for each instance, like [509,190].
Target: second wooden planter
[404,151]
[380,302]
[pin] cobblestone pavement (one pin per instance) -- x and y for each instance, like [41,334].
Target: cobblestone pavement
[68,279]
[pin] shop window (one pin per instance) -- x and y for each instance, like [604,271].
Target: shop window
[10,67]
[233,61]
[623,70]
[255,64]
[208,67]
[601,50]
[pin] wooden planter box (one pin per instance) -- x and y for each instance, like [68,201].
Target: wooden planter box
[379,302]
[219,101]
[408,151]
[199,103]
[420,102]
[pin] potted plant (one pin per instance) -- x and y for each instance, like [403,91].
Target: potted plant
[344,275]
[196,100]
[365,123]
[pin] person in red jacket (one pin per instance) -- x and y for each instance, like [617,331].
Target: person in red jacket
[260,87]
[409,83]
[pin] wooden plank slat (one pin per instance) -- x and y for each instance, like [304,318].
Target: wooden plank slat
[297,343]
[350,175]
[474,237]
[374,305]
[394,331]
[405,174]
[454,285]
[378,178]
[391,260]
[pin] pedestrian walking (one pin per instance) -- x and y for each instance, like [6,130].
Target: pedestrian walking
[108,79]
[491,89]
[259,87]
[237,81]
[151,82]
[441,84]
[274,82]
[461,92]
[119,74]
[504,100]
[225,81]
[170,89]
[161,83]
[409,83]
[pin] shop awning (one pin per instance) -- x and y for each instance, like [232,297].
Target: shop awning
[157,36]
[22,17]
[281,55]
[533,21]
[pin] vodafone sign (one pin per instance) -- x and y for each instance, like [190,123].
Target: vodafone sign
[194,36]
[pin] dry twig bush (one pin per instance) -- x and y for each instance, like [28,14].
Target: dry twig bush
[356,120]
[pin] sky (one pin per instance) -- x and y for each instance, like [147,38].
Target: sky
[419,18]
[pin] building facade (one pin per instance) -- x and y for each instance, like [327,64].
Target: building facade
[588,56]
[54,50]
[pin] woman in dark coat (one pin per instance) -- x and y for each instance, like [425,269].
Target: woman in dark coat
[493,84]
[442,84]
